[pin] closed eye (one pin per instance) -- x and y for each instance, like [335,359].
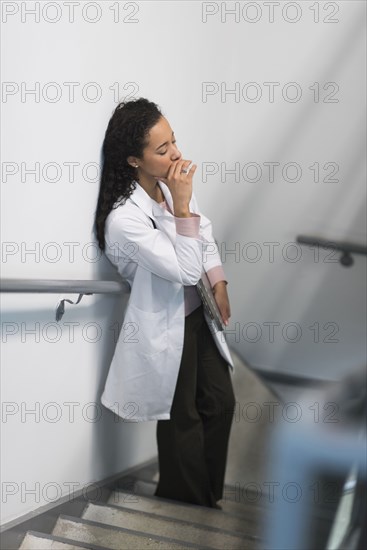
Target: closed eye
[165,152]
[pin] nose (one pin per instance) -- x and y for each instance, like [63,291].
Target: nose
[176,154]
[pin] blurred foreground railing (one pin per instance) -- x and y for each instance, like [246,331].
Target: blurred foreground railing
[300,455]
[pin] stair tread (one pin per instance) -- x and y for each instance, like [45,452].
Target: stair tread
[35,540]
[154,524]
[188,512]
[234,501]
[116,538]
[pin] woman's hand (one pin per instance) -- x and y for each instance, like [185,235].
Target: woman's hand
[222,300]
[180,186]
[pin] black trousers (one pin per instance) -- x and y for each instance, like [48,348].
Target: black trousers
[193,443]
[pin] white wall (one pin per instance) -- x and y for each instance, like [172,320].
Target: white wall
[174,53]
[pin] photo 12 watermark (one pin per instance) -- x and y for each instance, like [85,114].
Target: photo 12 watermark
[53,252]
[270,252]
[271,492]
[50,172]
[274,332]
[73,12]
[66,92]
[270,12]
[269,92]
[269,172]
[271,412]
[52,491]
[70,412]
[68,332]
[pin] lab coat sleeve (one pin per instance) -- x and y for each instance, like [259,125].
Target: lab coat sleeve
[133,239]
[211,257]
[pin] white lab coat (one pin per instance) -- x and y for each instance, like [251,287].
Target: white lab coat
[157,263]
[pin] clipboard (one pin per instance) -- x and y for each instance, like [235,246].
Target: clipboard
[210,305]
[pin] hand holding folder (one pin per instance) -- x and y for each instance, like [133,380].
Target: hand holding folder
[210,305]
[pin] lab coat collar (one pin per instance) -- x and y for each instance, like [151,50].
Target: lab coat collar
[147,204]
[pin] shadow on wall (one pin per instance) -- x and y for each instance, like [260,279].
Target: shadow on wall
[297,125]
[291,285]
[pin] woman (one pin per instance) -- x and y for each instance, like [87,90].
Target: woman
[170,363]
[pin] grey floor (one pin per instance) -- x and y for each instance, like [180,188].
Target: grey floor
[251,429]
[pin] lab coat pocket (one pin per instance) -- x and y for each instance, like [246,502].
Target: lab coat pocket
[151,330]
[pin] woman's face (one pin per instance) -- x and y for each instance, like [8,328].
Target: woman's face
[160,152]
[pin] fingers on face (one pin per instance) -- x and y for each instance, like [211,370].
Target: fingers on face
[179,166]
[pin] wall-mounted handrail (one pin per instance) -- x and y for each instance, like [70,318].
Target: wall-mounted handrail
[347,248]
[69,286]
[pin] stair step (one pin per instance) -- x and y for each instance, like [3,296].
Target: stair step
[234,502]
[188,512]
[153,524]
[134,485]
[35,540]
[114,538]
[247,505]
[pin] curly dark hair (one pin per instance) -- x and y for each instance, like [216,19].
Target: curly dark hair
[126,135]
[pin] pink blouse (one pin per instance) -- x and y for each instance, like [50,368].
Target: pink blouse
[190,228]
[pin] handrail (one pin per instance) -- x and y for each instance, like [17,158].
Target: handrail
[347,248]
[69,286]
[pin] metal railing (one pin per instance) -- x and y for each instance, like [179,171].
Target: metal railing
[88,287]
[69,286]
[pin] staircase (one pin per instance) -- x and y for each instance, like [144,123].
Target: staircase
[131,517]
[128,516]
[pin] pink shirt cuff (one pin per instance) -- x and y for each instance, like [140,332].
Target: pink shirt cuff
[216,274]
[189,227]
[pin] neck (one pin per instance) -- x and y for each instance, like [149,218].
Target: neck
[151,186]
